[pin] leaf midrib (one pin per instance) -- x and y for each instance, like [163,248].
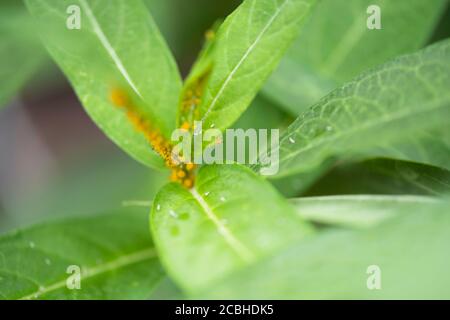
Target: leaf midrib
[243,58]
[107,45]
[235,244]
[89,272]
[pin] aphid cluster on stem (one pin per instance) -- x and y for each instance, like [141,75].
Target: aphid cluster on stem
[191,100]
[184,173]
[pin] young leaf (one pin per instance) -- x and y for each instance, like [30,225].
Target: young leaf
[249,45]
[35,263]
[340,46]
[399,99]
[230,219]
[406,256]
[119,66]
[356,211]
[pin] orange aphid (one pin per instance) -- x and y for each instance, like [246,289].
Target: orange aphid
[185,126]
[209,35]
[173,175]
[136,121]
[188,183]
[180,172]
[119,98]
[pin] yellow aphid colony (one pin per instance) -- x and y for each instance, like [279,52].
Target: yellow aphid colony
[191,101]
[184,173]
[210,35]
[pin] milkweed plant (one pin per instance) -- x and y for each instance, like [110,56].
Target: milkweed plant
[305,152]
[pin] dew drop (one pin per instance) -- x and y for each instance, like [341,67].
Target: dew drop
[173,214]
[291,140]
[329,128]
[212,125]
[206,193]
[41,288]
[32,244]
[222,199]
[158,207]
[48,261]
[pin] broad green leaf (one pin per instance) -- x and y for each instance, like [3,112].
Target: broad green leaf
[431,147]
[20,51]
[411,252]
[383,176]
[230,219]
[117,48]
[357,211]
[431,150]
[114,252]
[400,99]
[249,45]
[339,46]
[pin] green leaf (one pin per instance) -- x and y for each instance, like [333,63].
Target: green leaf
[411,251]
[119,48]
[400,99]
[20,51]
[340,46]
[431,147]
[355,211]
[114,252]
[383,176]
[249,45]
[220,225]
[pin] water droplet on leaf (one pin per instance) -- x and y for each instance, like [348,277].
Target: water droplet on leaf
[173,214]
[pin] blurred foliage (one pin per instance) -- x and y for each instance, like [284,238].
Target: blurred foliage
[20,51]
